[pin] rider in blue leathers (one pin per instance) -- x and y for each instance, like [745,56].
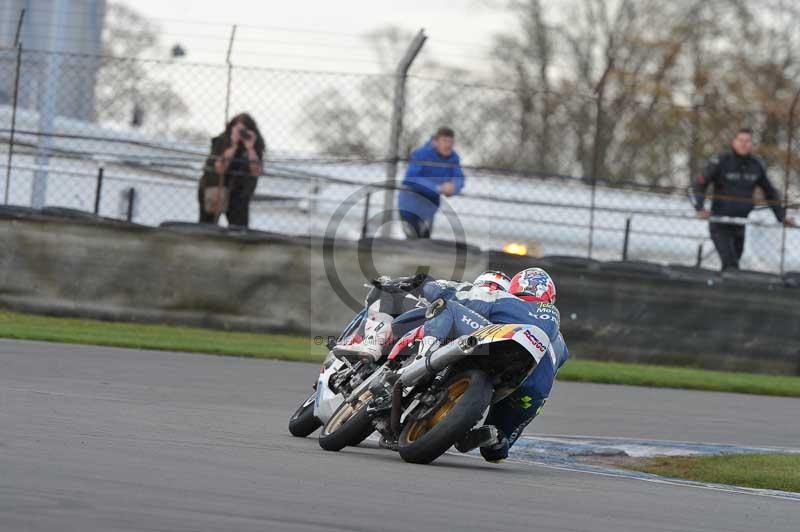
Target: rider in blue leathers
[373,330]
[488,281]
[529,301]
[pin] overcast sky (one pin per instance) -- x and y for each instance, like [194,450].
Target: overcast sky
[324,34]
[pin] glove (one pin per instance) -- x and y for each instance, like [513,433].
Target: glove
[401,284]
[411,284]
[392,286]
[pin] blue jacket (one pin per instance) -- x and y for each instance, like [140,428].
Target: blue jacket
[424,180]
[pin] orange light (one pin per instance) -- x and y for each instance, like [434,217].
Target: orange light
[515,248]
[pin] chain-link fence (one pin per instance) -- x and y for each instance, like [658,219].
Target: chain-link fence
[561,173]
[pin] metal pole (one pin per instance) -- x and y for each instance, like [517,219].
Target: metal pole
[627,238]
[365,221]
[393,155]
[98,191]
[131,200]
[699,256]
[18,45]
[48,103]
[787,172]
[230,73]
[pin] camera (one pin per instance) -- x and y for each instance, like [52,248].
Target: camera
[244,134]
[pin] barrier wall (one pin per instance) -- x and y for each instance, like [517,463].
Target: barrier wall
[255,281]
[645,312]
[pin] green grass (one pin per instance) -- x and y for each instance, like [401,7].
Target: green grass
[673,377]
[285,347]
[163,337]
[766,471]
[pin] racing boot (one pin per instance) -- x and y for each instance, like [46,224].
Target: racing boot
[484,436]
[496,453]
[377,331]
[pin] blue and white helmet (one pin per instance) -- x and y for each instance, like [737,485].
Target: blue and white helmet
[493,280]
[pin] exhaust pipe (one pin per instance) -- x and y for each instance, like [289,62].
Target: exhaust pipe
[431,363]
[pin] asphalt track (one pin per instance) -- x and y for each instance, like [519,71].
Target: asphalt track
[101,439]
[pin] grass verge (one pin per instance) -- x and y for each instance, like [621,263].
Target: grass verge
[285,347]
[765,471]
[162,337]
[673,377]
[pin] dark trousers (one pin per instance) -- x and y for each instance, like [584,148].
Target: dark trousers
[414,226]
[238,213]
[729,241]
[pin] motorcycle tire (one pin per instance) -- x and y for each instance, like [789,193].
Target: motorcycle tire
[303,422]
[424,440]
[349,425]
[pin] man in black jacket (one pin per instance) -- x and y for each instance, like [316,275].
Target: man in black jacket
[735,176]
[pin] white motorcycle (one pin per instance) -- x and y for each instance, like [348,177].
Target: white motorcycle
[344,369]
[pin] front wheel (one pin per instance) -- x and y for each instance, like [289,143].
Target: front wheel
[349,425]
[303,422]
[467,395]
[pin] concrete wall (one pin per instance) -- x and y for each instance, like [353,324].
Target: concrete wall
[649,313]
[257,281]
[185,275]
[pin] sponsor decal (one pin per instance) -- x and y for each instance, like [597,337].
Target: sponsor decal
[525,402]
[472,323]
[535,341]
[496,331]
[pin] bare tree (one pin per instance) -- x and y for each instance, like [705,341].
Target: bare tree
[126,89]
[524,58]
[354,121]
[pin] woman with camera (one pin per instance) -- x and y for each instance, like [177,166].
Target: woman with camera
[231,172]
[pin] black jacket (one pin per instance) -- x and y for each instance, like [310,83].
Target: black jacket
[735,178]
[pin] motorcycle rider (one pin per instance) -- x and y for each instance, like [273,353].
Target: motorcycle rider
[530,300]
[380,328]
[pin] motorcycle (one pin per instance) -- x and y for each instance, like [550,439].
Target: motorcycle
[340,374]
[423,402]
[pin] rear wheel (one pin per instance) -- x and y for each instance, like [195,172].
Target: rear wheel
[349,425]
[467,395]
[303,422]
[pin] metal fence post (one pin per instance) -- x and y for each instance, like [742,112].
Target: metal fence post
[230,73]
[18,45]
[393,155]
[131,201]
[98,191]
[365,220]
[627,238]
[787,173]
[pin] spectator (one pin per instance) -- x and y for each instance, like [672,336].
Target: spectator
[735,176]
[235,164]
[434,169]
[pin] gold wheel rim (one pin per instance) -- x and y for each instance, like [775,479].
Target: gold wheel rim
[344,414]
[421,426]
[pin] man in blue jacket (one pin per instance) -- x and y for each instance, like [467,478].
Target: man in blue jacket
[434,169]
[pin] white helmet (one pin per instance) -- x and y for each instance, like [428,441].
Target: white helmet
[493,280]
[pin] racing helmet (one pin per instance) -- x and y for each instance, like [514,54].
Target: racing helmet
[535,285]
[493,280]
